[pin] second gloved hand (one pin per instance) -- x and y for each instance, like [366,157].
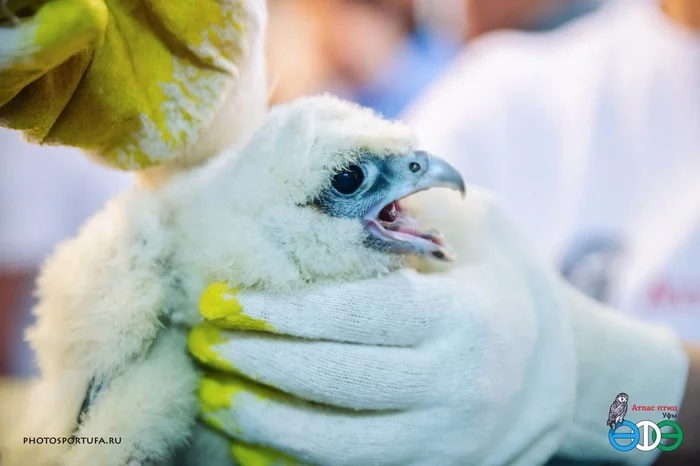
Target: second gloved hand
[495,361]
[136,84]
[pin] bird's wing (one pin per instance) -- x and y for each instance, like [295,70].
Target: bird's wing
[620,408]
[99,302]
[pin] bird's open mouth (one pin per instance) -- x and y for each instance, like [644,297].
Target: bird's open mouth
[389,224]
[394,224]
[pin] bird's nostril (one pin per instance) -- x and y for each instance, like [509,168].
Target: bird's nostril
[414,167]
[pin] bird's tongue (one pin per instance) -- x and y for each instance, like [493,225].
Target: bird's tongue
[390,213]
[408,228]
[394,218]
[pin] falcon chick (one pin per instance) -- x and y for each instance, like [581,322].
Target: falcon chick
[314,195]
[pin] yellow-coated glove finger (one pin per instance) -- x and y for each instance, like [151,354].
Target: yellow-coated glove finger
[39,43]
[132,81]
[254,455]
[202,343]
[217,394]
[218,305]
[221,310]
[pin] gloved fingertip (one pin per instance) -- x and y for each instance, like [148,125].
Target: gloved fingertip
[217,300]
[215,385]
[200,342]
[222,395]
[216,394]
[218,305]
[254,455]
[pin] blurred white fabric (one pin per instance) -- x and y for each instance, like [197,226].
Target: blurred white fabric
[590,137]
[45,194]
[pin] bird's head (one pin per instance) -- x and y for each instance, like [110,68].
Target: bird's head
[324,179]
[622,397]
[370,188]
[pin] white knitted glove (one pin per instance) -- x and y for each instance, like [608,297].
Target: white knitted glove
[493,362]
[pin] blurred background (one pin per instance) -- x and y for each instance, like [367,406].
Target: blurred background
[390,55]
[383,53]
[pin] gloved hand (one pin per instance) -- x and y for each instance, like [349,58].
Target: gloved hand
[136,83]
[493,362]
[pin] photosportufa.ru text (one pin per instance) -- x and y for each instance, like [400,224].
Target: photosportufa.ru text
[72,440]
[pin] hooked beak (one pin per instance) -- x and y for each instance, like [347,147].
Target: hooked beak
[392,225]
[441,174]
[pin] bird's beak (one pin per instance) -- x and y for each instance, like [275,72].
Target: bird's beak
[391,224]
[439,174]
[416,172]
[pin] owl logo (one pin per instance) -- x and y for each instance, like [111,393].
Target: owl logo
[618,409]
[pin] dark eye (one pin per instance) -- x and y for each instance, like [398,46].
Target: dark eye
[347,181]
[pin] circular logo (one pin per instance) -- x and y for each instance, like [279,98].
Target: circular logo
[677,435]
[614,435]
[645,436]
[644,427]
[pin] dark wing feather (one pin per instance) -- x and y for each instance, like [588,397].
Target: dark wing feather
[612,414]
[623,411]
[620,409]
